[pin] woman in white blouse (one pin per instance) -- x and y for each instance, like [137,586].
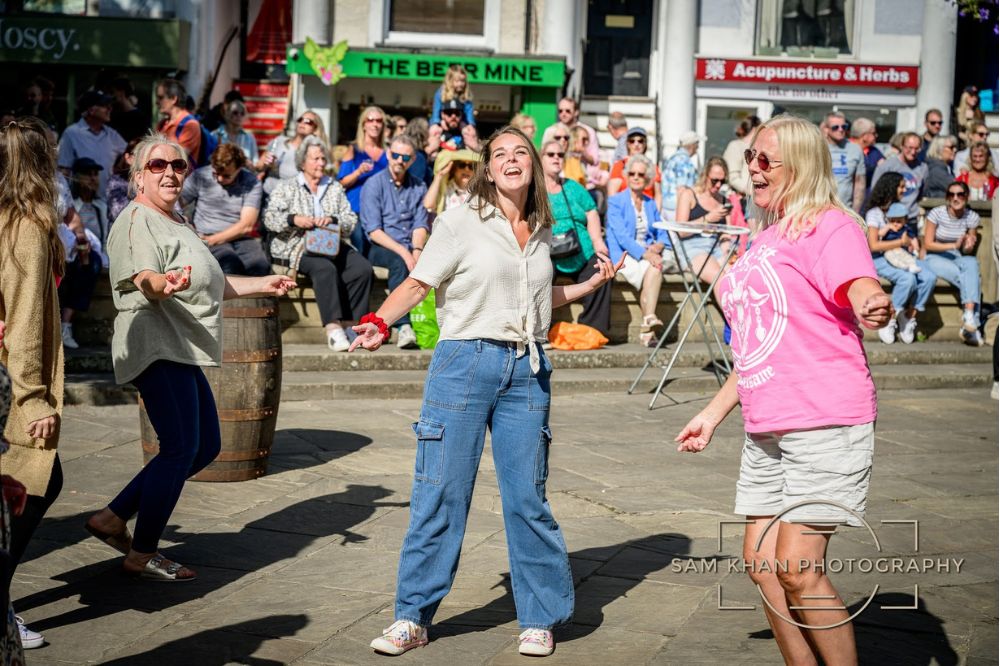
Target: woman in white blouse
[489,261]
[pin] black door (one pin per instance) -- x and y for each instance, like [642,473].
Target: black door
[616,56]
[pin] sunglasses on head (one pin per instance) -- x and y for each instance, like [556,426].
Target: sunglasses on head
[307,121]
[549,153]
[955,195]
[400,156]
[159,165]
[716,181]
[839,127]
[763,161]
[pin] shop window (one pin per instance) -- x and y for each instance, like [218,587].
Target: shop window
[798,28]
[459,17]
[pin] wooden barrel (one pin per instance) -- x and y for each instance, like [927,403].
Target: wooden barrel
[247,389]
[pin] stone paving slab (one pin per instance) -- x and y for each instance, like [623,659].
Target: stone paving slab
[299,567]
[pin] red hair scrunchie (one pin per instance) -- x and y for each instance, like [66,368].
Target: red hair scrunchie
[372,318]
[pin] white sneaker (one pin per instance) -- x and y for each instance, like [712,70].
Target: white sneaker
[907,328]
[536,642]
[336,340]
[406,338]
[67,336]
[972,338]
[29,639]
[403,635]
[887,333]
[970,322]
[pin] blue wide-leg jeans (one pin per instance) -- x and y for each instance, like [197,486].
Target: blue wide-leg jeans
[473,385]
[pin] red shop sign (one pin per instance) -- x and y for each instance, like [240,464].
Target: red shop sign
[848,75]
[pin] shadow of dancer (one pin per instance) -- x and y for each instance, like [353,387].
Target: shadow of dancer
[227,557]
[610,573]
[234,643]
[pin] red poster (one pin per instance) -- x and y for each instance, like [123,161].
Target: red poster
[848,75]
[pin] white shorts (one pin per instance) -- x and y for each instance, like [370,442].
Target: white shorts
[824,467]
[634,271]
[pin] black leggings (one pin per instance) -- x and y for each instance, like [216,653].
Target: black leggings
[597,304]
[23,527]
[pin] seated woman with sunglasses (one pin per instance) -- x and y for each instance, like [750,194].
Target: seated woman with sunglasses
[312,200]
[278,160]
[704,204]
[231,131]
[574,212]
[453,169]
[168,290]
[631,236]
[950,237]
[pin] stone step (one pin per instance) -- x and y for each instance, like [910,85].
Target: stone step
[100,389]
[309,358]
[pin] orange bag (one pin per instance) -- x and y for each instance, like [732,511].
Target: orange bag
[575,337]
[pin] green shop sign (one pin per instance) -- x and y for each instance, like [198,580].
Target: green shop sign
[80,40]
[333,63]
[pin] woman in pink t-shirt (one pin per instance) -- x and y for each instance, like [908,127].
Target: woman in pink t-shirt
[793,302]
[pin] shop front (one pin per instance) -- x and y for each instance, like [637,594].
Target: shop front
[77,52]
[403,83]
[729,89]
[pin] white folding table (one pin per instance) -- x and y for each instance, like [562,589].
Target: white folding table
[697,297]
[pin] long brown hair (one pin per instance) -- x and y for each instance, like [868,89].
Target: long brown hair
[28,188]
[536,208]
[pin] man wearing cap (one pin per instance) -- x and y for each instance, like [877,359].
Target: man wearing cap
[395,221]
[452,125]
[679,170]
[848,161]
[91,136]
[636,143]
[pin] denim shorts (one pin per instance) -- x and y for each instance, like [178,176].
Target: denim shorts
[695,246]
[823,467]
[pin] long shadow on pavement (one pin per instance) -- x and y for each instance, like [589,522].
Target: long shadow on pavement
[613,571]
[223,558]
[234,643]
[294,448]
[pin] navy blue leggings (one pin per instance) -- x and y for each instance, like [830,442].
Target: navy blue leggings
[182,410]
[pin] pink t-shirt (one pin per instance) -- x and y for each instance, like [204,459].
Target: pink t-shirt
[796,342]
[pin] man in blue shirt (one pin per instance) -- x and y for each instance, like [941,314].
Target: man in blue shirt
[848,161]
[395,221]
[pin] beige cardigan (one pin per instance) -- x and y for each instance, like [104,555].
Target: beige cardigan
[33,353]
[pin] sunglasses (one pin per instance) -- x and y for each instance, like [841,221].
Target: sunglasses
[462,165]
[636,174]
[565,110]
[159,166]
[561,137]
[400,156]
[934,122]
[763,161]
[716,181]
[982,134]
[955,195]
[376,119]
[555,154]
[307,121]
[839,127]
[451,112]
[637,139]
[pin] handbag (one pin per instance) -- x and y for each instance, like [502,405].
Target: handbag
[567,243]
[324,241]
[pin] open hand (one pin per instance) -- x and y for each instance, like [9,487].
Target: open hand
[275,285]
[605,270]
[876,311]
[696,434]
[368,337]
[177,281]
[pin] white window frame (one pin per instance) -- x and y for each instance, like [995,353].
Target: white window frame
[855,31]
[379,33]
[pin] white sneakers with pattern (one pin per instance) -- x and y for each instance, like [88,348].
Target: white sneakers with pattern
[536,642]
[29,639]
[336,340]
[907,328]
[406,338]
[403,635]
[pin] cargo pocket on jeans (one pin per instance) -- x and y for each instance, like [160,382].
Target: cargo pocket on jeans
[430,451]
[542,455]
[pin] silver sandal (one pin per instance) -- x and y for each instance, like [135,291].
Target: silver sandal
[161,570]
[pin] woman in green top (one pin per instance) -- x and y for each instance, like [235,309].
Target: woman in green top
[574,211]
[168,290]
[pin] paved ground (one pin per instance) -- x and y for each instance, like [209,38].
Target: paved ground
[299,567]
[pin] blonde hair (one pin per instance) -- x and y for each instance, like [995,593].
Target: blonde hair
[142,152]
[985,147]
[448,87]
[359,138]
[27,189]
[701,184]
[939,143]
[577,135]
[320,130]
[808,189]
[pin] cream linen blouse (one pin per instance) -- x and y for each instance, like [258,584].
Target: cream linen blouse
[487,287]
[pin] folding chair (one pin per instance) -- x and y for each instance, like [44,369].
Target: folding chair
[697,297]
